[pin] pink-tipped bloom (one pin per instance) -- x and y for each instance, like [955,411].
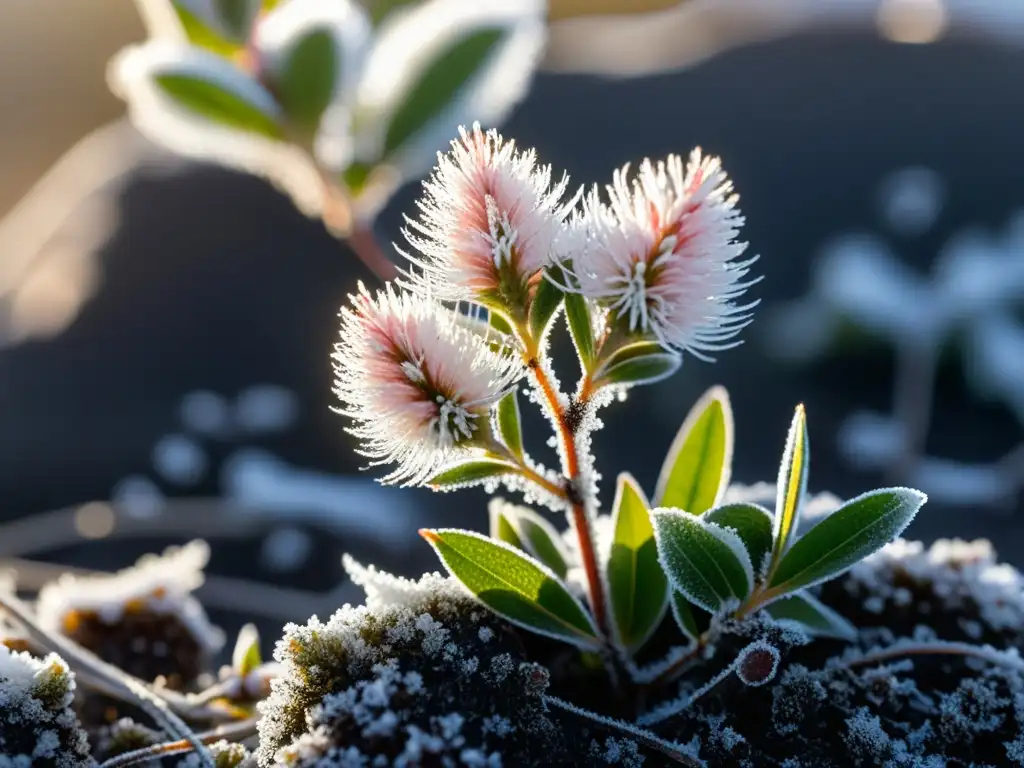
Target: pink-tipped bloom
[490,221]
[662,256]
[416,380]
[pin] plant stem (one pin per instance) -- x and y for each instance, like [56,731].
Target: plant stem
[234,732]
[364,244]
[571,469]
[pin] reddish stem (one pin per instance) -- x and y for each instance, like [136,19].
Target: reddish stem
[364,244]
[580,520]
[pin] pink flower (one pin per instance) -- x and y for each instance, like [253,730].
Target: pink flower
[662,257]
[490,221]
[416,380]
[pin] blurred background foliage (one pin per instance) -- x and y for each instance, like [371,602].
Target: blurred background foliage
[168,323]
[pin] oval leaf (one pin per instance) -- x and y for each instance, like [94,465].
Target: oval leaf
[508,424]
[471,472]
[693,621]
[813,616]
[541,540]
[502,528]
[857,529]
[577,315]
[698,466]
[643,369]
[637,586]
[246,656]
[546,300]
[752,523]
[704,561]
[438,84]
[514,586]
[307,77]
[206,32]
[791,486]
[215,103]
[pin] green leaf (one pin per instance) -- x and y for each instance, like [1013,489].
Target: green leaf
[508,424]
[499,323]
[577,314]
[693,621]
[502,528]
[637,586]
[514,586]
[202,36]
[546,301]
[246,656]
[471,472]
[541,540]
[306,78]
[752,523]
[704,561]
[380,9]
[698,466]
[813,616]
[857,529]
[237,16]
[439,83]
[216,104]
[636,364]
[791,486]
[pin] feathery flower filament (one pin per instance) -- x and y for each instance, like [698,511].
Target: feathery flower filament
[417,382]
[661,255]
[490,222]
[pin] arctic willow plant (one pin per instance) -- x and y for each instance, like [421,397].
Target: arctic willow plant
[336,101]
[643,276]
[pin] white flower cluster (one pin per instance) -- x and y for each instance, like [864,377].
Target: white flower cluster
[657,264]
[306,91]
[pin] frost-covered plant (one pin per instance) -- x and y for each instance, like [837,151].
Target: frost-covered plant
[38,727]
[335,102]
[644,276]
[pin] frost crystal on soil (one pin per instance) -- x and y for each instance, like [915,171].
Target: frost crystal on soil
[38,728]
[420,675]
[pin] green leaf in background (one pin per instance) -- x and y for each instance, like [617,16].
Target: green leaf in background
[637,586]
[791,486]
[704,561]
[246,656]
[752,523]
[698,466]
[514,586]
[813,616]
[541,540]
[508,424]
[577,315]
[499,323]
[380,9]
[546,300]
[857,529]
[439,83]
[636,364]
[217,104]
[237,16]
[693,621]
[471,472]
[201,35]
[502,528]
[306,79]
